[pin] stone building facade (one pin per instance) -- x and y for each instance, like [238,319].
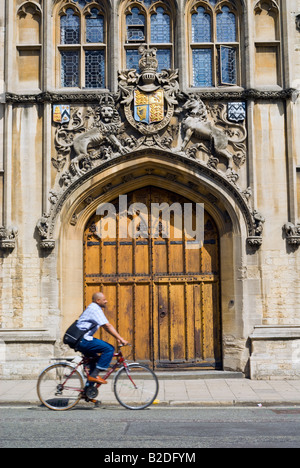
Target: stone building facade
[181,101]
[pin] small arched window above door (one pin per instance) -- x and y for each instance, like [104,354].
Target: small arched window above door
[148,22]
[214,38]
[82,44]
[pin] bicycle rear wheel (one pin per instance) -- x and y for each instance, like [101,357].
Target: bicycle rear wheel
[60,387]
[135,387]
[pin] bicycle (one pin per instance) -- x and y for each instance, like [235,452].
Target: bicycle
[61,386]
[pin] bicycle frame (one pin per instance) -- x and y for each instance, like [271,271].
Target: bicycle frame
[86,360]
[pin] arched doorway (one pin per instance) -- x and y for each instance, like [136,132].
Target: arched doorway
[163,297]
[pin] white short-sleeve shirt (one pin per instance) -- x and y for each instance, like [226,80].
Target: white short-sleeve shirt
[94,317]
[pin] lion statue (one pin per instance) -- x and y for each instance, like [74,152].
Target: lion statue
[105,128]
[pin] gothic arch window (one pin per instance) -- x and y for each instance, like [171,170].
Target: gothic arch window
[148,22]
[214,43]
[82,44]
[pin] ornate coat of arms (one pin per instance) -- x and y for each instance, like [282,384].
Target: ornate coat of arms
[149,108]
[61,114]
[149,97]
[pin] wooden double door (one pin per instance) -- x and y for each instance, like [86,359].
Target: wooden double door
[162,296]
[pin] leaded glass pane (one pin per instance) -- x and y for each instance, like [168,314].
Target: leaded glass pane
[70,28]
[226,26]
[132,59]
[201,26]
[213,2]
[94,69]
[135,18]
[70,69]
[95,27]
[135,26]
[202,68]
[228,65]
[164,59]
[160,27]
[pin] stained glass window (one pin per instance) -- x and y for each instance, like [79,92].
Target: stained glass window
[214,44]
[70,69]
[228,65]
[202,68]
[164,59]
[160,27]
[95,27]
[148,22]
[135,26]
[94,69]
[226,26]
[201,26]
[132,59]
[70,28]
[82,64]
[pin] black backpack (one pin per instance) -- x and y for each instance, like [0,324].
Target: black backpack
[73,335]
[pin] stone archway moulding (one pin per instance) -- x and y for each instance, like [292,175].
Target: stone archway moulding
[159,168]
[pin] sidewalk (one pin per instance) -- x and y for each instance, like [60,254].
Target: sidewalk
[177,392]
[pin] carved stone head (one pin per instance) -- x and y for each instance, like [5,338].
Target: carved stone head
[107,114]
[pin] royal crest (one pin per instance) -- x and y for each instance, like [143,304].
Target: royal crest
[149,97]
[149,108]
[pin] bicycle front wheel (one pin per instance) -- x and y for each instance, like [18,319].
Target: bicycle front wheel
[136,387]
[60,387]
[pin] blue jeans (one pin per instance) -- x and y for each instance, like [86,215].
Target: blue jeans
[94,348]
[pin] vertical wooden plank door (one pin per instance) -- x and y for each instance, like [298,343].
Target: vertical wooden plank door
[163,297]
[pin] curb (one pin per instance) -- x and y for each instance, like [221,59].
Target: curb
[172,404]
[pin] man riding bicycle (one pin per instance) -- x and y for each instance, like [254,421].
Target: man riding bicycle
[91,320]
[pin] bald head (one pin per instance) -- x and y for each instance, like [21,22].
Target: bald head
[97,296]
[99,299]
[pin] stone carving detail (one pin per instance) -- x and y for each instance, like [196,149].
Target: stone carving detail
[73,139]
[197,124]
[8,238]
[144,95]
[255,239]
[292,233]
[43,230]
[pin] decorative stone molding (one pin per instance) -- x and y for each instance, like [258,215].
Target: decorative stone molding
[88,97]
[271,6]
[292,233]
[29,6]
[8,238]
